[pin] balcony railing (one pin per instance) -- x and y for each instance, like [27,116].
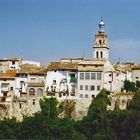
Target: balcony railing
[23,98]
[5,89]
[5,99]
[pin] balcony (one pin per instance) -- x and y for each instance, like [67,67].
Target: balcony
[73,80]
[22,99]
[5,99]
[5,89]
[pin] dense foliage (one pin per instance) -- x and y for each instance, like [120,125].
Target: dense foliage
[131,86]
[99,124]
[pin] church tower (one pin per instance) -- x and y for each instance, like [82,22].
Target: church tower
[101,49]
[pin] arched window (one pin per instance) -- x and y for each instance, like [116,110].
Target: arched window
[39,92]
[100,42]
[117,104]
[97,55]
[31,91]
[101,54]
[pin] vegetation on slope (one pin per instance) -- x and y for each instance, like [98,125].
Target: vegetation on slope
[99,124]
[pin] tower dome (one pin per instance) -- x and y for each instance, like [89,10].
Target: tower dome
[101,26]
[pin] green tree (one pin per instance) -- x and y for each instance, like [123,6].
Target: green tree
[138,84]
[129,86]
[39,125]
[9,128]
[96,124]
[126,123]
[49,107]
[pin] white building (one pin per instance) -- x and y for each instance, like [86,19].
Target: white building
[30,80]
[61,78]
[7,85]
[10,63]
[136,73]
[98,73]
[31,63]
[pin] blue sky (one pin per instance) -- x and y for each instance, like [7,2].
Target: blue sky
[47,30]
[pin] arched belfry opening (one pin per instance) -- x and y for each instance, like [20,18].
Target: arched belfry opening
[97,54]
[101,53]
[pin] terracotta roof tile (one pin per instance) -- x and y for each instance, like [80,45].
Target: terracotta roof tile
[31,69]
[136,67]
[62,66]
[8,74]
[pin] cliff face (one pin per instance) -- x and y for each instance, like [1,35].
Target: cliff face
[70,108]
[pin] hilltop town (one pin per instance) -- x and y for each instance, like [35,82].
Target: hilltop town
[23,83]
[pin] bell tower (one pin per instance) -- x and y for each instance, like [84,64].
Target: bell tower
[101,49]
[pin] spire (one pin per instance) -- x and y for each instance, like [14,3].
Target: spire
[101,26]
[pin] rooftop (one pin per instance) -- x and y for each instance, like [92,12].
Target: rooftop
[62,66]
[31,69]
[8,74]
[11,59]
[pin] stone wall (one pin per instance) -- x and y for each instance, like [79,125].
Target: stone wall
[20,109]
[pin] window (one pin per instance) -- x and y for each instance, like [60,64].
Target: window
[81,76]
[81,95]
[97,54]
[33,101]
[33,79]
[5,94]
[92,88]
[137,77]
[86,95]
[73,88]
[21,82]
[54,82]
[93,76]
[13,62]
[100,42]
[101,54]
[110,75]
[54,89]
[4,85]
[93,96]
[11,88]
[39,92]
[32,91]
[60,95]
[81,87]
[98,88]
[23,75]
[87,75]
[86,87]
[20,105]
[99,76]
[72,78]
